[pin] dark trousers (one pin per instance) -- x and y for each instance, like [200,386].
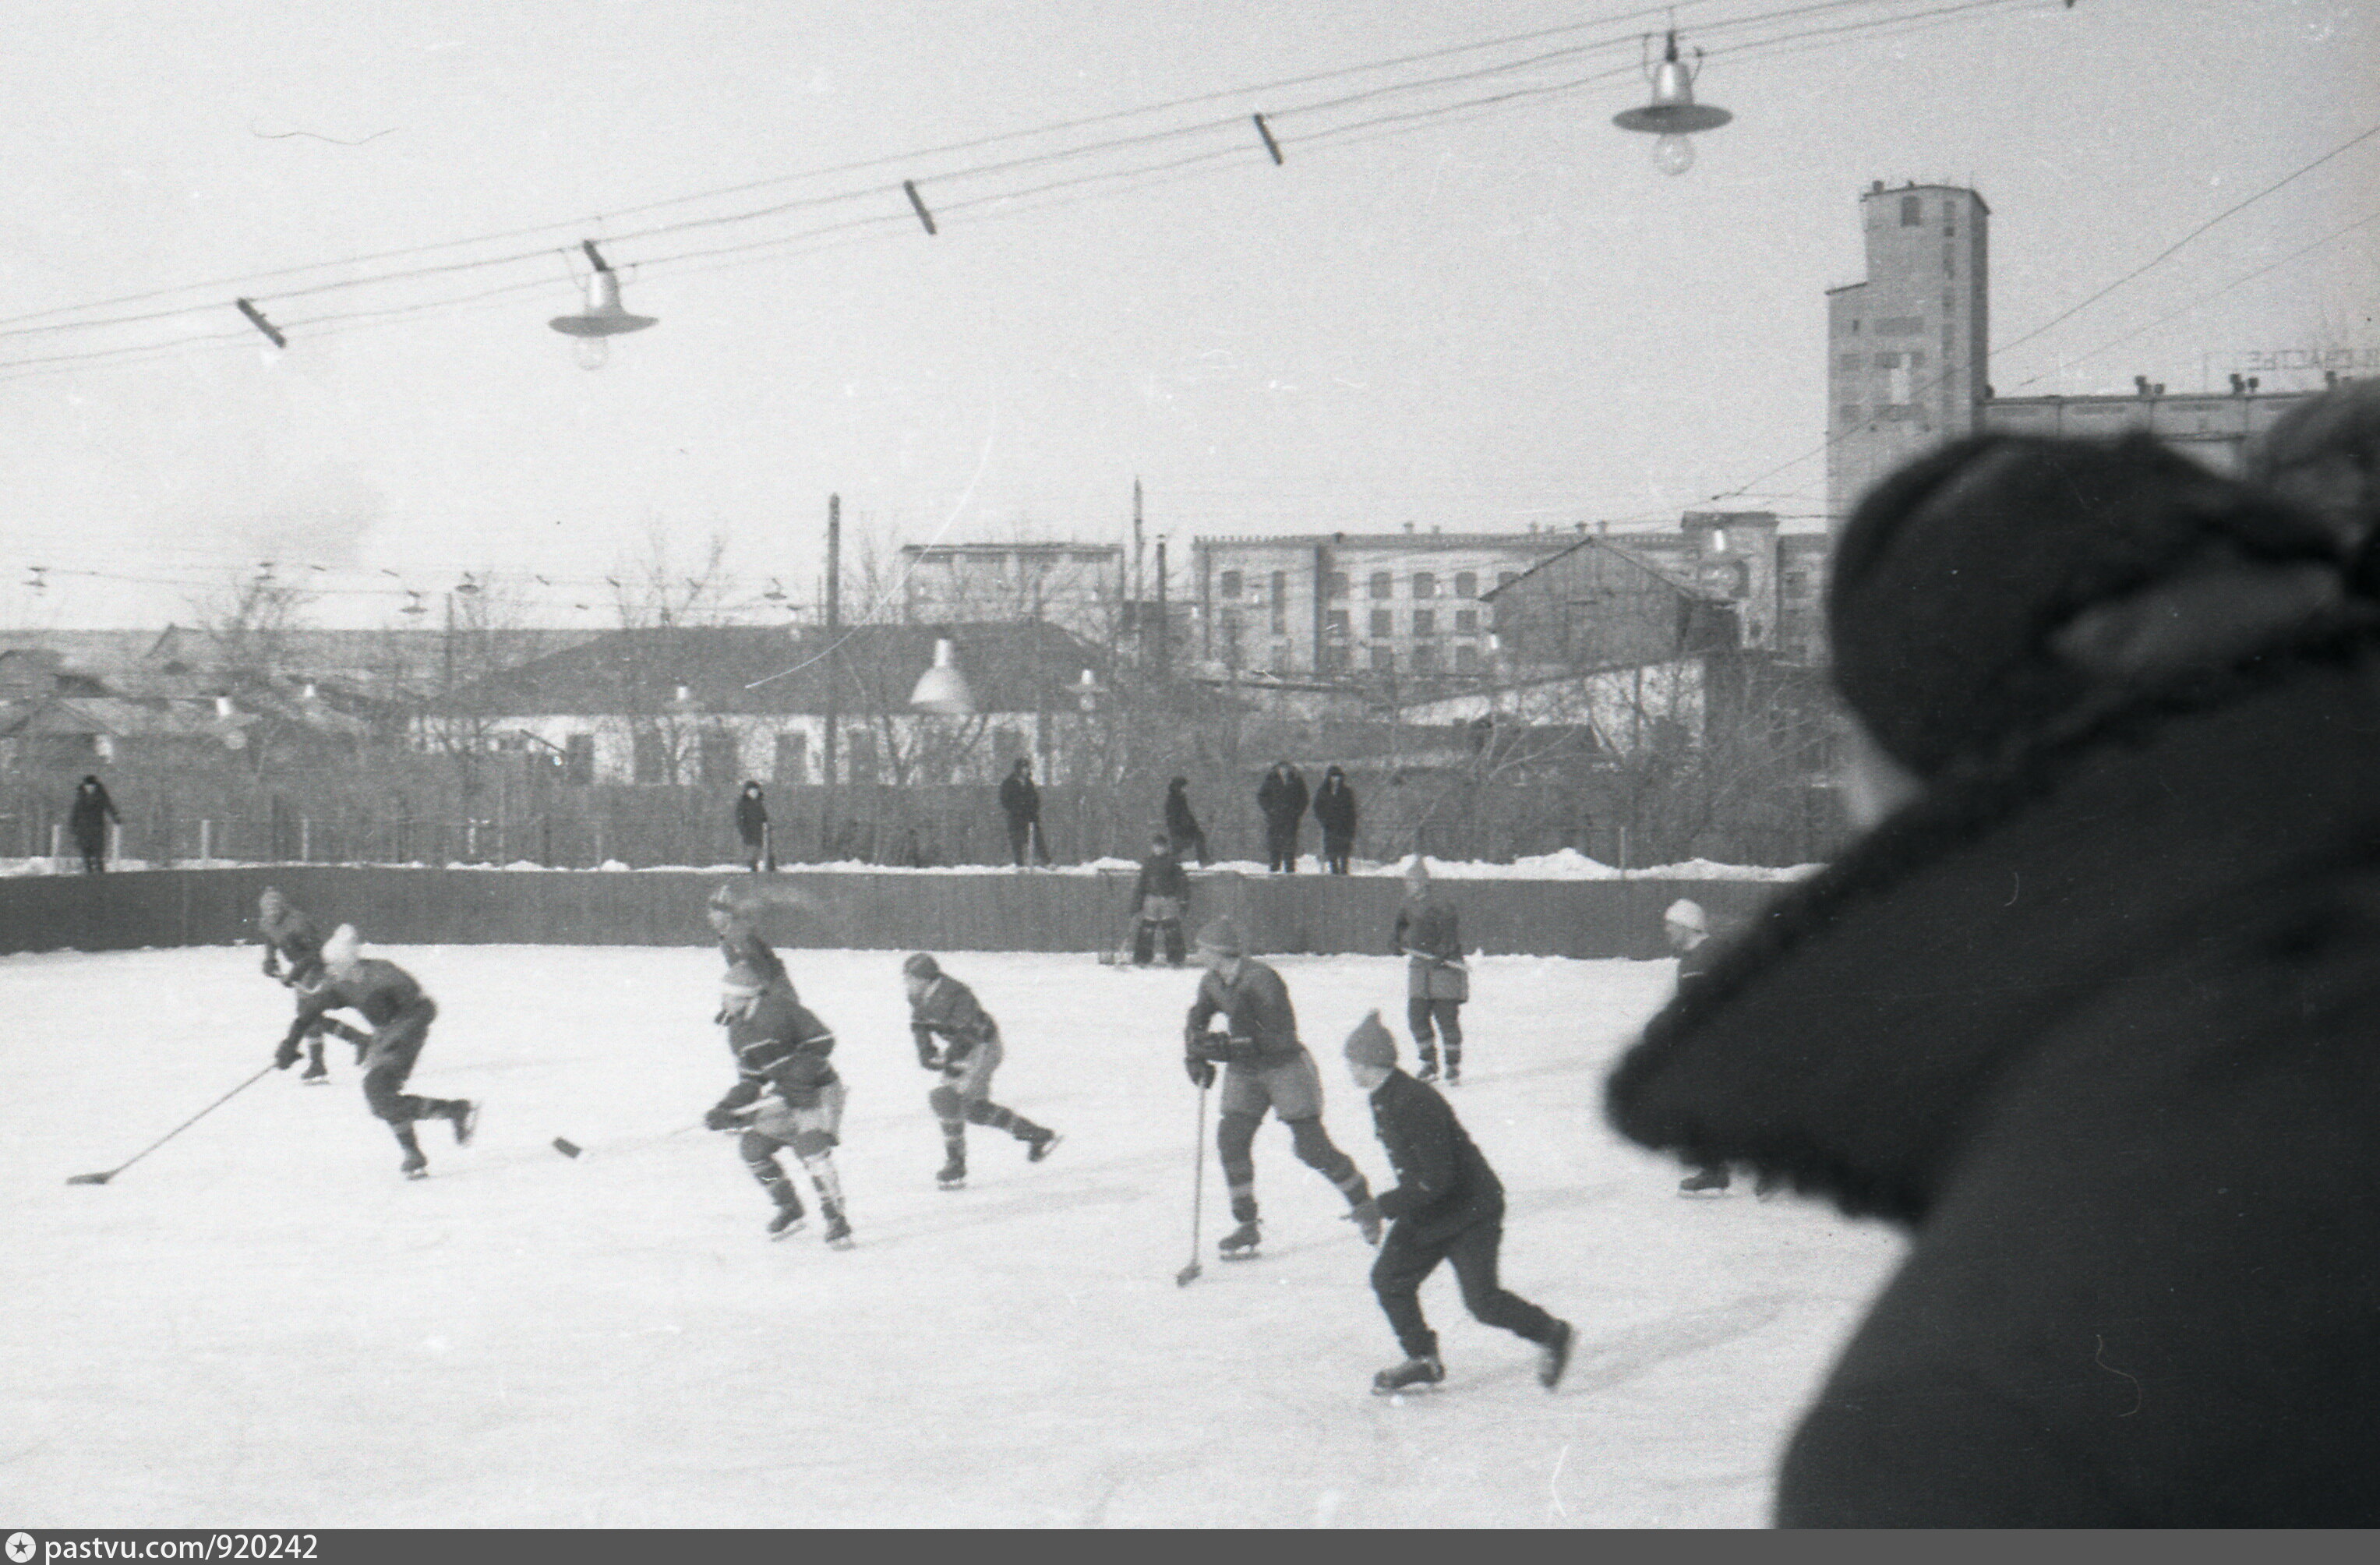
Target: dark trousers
[1192,845]
[1022,834]
[760,851]
[1335,849]
[394,1048]
[1145,936]
[1280,846]
[94,854]
[1405,1262]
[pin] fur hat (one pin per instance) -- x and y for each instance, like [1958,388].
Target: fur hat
[1687,915]
[1371,1044]
[921,967]
[1956,574]
[343,948]
[1222,935]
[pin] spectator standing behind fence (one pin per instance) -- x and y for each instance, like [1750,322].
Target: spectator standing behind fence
[1334,806]
[88,822]
[1021,802]
[752,825]
[1181,825]
[2089,1009]
[1281,797]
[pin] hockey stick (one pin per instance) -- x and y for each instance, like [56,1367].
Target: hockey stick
[570,1148]
[1197,1190]
[194,1119]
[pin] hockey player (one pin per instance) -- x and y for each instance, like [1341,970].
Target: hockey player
[740,941]
[1448,1205]
[1265,1067]
[785,1094]
[1437,983]
[289,936]
[1686,928]
[970,1053]
[400,1014]
[1158,899]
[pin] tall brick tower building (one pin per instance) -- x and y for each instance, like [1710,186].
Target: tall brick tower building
[1906,347]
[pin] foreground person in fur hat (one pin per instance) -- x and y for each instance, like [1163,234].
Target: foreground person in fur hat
[2093,1011]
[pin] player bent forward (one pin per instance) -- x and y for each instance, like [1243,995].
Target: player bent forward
[400,1014]
[1265,1067]
[1448,1205]
[785,1094]
[970,1052]
[289,936]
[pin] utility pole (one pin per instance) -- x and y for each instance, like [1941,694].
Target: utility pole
[1165,621]
[833,689]
[1138,584]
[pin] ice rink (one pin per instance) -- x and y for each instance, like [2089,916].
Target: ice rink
[261,1325]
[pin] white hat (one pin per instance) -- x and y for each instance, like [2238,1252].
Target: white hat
[343,948]
[1687,915]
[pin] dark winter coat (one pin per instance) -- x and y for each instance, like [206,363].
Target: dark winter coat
[92,809]
[1162,875]
[1444,1185]
[2103,1030]
[1019,799]
[1254,1005]
[1334,805]
[1180,823]
[751,817]
[1281,797]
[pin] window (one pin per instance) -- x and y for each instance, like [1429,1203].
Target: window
[650,761]
[1230,626]
[1384,659]
[1281,656]
[1912,212]
[1425,659]
[1383,585]
[1281,606]
[1383,622]
[578,759]
[1228,584]
[861,753]
[1466,583]
[1467,659]
[717,758]
[793,759]
[1466,621]
[1424,585]
[1335,584]
[1334,624]
[1425,622]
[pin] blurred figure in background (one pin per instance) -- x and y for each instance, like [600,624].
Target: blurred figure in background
[752,825]
[1161,898]
[1183,826]
[1334,806]
[1437,983]
[88,820]
[1281,797]
[2093,1011]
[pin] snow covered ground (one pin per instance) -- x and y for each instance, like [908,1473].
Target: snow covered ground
[261,1325]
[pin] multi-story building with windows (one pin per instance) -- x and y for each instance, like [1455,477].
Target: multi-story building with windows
[1077,586]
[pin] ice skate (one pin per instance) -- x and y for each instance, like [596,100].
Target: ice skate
[1405,1376]
[316,1074]
[1768,1186]
[1554,1357]
[414,1166]
[1704,1182]
[952,1175]
[788,1221]
[838,1230]
[1428,1072]
[1240,1244]
[466,1117]
[1041,1145]
[1454,1075]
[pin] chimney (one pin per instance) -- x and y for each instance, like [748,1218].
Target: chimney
[1409,526]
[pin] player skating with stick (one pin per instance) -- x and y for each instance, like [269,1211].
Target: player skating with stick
[400,1014]
[785,1094]
[941,1006]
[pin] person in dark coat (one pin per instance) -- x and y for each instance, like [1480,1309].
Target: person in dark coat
[1334,806]
[1021,802]
[1183,826]
[752,825]
[2090,1010]
[87,823]
[1447,1205]
[1160,900]
[1282,797]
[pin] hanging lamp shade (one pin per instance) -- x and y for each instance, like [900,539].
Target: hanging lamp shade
[1673,111]
[603,316]
[942,688]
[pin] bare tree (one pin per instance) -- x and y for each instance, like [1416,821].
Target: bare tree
[658,603]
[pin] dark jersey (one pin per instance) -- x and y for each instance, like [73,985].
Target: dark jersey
[381,990]
[1162,875]
[292,937]
[1443,1183]
[778,1044]
[1428,929]
[950,1008]
[1256,1006]
[1696,961]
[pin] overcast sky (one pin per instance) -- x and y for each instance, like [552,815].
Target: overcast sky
[1474,304]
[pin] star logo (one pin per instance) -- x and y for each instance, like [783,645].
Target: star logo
[20,1547]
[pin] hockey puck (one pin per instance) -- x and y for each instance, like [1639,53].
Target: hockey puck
[568,1149]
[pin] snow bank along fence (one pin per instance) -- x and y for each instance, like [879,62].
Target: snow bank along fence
[1033,911]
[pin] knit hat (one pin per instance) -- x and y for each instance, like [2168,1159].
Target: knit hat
[1222,935]
[1687,915]
[344,947]
[1955,575]
[1370,1043]
[742,981]
[921,967]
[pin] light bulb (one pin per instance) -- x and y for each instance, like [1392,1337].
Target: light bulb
[1673,154]
[594,352]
